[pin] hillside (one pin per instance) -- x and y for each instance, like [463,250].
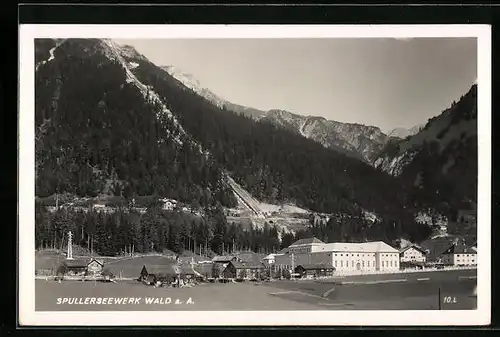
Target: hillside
[278,165]
[356,140]
[439,163]
[100,131]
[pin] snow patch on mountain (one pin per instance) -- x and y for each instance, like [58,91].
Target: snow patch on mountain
[192,83]
[403,132]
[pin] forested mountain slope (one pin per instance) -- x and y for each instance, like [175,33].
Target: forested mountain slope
[100,131]
[439,163]
[275,164]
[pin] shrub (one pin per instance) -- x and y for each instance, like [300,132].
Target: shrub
[62,269]
[107,273]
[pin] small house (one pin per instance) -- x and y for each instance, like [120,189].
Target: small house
[94,267]
[269,259]
[240,270]
[412,253]
[154,273]
[314,270]
[75,267]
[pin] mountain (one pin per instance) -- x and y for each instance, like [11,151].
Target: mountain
[356,140]
[109,121]
[402,133]
[101,131]
[192,83]
[439,163]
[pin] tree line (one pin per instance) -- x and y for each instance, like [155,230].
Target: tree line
[155,231]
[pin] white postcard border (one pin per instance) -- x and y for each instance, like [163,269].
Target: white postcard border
[26,265]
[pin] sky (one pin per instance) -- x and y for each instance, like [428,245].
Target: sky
[387,83]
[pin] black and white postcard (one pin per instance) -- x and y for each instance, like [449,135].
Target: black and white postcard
[254,175]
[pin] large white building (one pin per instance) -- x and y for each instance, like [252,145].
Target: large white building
[343,256]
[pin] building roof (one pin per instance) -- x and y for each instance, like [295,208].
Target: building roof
[422,250]
[223,258]
[315,266]
[250,257]
[76,263]
[161,270]
[307,241]
[101,262]
[243,265]
[368,247]
[459,248]
[283,251]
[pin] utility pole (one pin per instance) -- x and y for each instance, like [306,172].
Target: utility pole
[439,298]
[70,246]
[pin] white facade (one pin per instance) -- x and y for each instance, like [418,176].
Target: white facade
[344,257]
[469,259]
[412,255]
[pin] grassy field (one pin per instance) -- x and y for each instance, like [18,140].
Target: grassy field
[413,294]
[203,297]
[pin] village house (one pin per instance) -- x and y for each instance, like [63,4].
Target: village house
[459,254]
[270,259]
[94,267]
[152,274]
[75,266]
[219,263]
[81,267]
[168,204]
[314,270]
[412,253]
[241,270]
[343,256]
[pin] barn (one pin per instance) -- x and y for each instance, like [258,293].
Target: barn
[73,267]
[314,270]
[154,273]
[240,270]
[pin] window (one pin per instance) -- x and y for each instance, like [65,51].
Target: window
[358,254]
[335,263]
[341,255]
[352,264]
[335,254]
[342,263]
[363,264]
